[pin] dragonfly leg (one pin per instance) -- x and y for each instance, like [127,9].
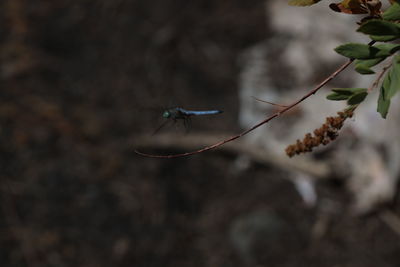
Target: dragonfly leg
[187,122]
[176,123]
[160,127]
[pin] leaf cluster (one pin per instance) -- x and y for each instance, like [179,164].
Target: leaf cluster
[381,30]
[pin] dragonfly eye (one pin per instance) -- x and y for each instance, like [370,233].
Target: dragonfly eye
[166,114]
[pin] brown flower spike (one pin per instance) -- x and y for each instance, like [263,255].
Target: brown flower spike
[323,135]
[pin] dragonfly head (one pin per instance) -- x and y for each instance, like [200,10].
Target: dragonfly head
[166,114]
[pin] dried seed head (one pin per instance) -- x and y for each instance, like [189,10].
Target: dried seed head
[328,132]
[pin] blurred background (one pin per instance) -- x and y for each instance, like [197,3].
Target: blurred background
[81,81]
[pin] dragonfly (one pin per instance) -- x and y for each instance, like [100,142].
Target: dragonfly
[185,115]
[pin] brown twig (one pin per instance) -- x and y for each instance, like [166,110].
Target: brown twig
[376,82]
[276,114]
[258,154]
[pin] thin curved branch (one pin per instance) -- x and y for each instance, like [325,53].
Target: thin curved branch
[258,154]
[276,114]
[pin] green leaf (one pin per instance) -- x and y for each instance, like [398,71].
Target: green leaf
[392,13]
[390,86]
[345,93]
[362,51]
[387,49]
[348,91]
[303,2]
[385,38]
[364,70]
[363,65]
[394,77]
[383,105]
[380,28]
[353,50]
[357,98]
[337,97]
[368,62]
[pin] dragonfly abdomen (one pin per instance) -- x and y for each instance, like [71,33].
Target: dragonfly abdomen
[198,112]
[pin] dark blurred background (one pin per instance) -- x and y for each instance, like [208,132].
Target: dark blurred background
[80,80]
